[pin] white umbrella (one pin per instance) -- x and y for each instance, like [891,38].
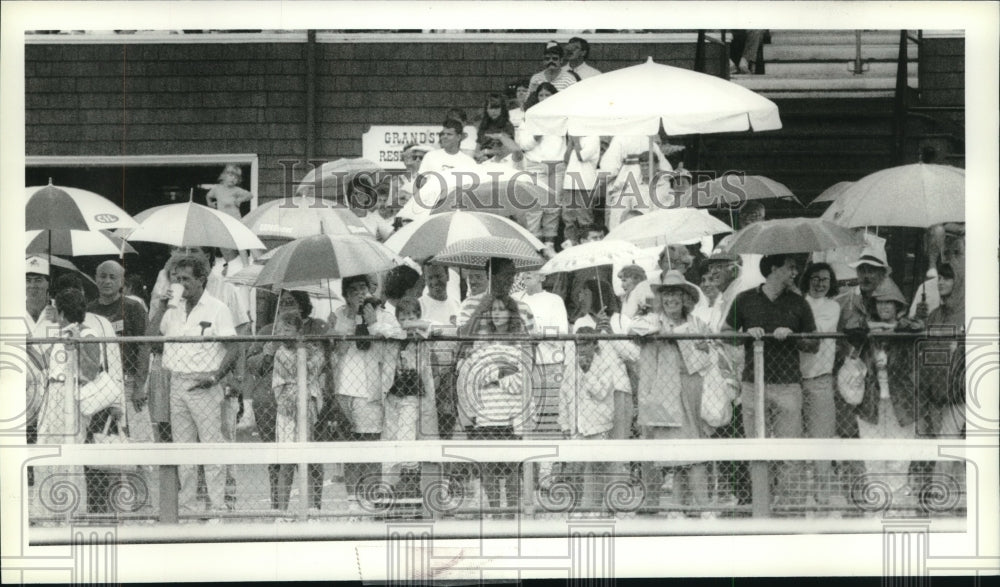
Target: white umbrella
[832,193]
[668,226]
[918,195]
[193,225]
[637,100]
[593,254]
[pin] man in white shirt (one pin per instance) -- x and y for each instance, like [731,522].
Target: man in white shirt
[437,171]
[196,369]
[577,51]
[216,285]
[553,73]
[442,310]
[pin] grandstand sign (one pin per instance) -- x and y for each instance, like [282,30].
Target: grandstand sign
[384,144]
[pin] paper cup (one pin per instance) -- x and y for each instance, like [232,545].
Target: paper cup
[176,291]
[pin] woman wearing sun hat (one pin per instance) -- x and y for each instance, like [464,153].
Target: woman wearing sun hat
[670,382]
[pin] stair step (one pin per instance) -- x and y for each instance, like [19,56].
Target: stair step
[811,52]
[831,70]
[759,83]
[832,37]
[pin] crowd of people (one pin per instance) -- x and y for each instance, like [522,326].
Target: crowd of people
[420,367]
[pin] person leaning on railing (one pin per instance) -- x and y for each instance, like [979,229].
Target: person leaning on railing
[670,383]
[774,308]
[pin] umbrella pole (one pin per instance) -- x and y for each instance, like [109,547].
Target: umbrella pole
[651,147]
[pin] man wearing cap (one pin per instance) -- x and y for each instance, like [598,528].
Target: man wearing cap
[774,308]
[577,51]
[552,59]
[42,322]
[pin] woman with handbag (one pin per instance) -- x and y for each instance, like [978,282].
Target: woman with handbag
[60,419]
[670,385]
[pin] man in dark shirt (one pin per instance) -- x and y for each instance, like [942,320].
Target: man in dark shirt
[774,308]
[128,318]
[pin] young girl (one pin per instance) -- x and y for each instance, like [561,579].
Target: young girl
[227,195]
[284,383]
[410,411]
[495,120]
[887,408]
[494,392]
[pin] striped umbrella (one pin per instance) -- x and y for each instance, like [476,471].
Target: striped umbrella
[315,259]
[474,253]
[296,217]
[193,225]
[50,207]
[424,238]
[75,243]
[792,235]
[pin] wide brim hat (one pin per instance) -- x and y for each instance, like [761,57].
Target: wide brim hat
[873,257]
[675,279]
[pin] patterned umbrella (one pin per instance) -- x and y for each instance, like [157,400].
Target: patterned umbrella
[668,226]
[792,235]
[594,254]
[422,239]
[193,225]
[299,216]
[75,243]
[335,176]
[917,195]
[314,259]
[58,207]
[731,191]
[473,253]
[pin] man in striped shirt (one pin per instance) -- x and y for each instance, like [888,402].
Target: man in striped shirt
[552,59]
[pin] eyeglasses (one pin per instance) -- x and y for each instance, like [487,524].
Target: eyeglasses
[819,280]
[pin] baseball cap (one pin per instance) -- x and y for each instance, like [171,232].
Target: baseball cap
[37,265]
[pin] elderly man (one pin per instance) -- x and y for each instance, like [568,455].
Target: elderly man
[577,51]
[196,369]
[774,308]
[128,318]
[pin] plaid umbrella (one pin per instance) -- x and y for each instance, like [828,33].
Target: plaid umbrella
[917,195]
[334,177]
[315,259]
[511,195]
[51,207]
[300,216]
[474,253]
[75,243]
[594,254]
[731,191]
[193,225]
[424,238]
[792,235]
[668,226]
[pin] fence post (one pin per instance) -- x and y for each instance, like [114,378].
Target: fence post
[761,494]
[302,425]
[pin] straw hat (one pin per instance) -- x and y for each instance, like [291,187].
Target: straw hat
[675,279]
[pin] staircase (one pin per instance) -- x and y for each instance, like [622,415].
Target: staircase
[838,125]
[830,63]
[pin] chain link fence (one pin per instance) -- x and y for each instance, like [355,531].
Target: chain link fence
[283,391]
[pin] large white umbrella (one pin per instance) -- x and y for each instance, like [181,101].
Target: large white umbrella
[792,235]
[917,195]
[637,100]
[668,226]
[193,225]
